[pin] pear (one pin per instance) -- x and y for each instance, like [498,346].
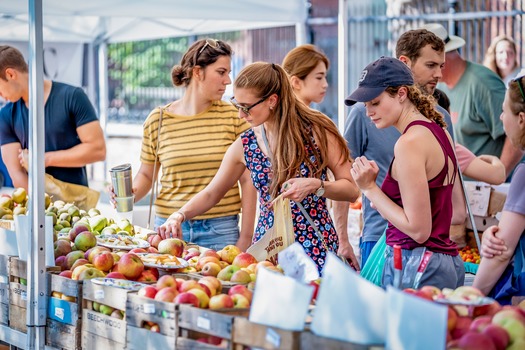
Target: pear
[6,202]
[19,195]
[19,210]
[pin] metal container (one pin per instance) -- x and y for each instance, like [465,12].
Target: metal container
[121,180]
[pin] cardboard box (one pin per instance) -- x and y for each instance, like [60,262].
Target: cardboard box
[483,199]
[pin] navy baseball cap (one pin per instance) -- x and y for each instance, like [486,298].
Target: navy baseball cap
[377,76]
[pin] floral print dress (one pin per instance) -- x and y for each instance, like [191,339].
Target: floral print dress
[260,168]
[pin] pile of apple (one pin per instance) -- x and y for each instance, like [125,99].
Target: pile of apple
[205,293]
[80,258]
[488,327]
[108,310]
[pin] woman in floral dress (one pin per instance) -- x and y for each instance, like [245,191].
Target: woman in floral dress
[288,151]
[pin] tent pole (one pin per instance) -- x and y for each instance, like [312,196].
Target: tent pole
[36,287]
[342,63]
[102,77]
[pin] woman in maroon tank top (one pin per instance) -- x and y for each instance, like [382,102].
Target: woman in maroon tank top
[416,195]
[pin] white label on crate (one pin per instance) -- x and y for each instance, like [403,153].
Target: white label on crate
[149,308]
[59,312]
[99,294]
[204,323]
[23,294]
[273,338]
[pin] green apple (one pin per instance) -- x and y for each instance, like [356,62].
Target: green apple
[106,310]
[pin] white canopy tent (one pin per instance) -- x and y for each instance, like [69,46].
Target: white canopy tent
[99,22]
[132,20]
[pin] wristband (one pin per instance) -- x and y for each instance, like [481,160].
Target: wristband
[181,214]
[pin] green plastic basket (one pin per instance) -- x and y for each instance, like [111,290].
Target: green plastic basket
[471,267]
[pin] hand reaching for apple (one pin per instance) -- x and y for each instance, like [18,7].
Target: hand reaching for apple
[172,227]
[491,245]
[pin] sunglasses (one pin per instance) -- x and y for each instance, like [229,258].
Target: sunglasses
[520,85]
[246,109]
[215,44]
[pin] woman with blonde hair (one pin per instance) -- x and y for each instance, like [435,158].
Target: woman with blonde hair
[502,58]
[288,151]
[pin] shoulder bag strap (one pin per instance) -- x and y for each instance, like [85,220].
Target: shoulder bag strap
[154,178]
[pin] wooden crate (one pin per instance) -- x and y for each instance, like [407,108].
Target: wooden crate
[310,341]
[142,339]
[63,336]
[18,318]
[195,323]
[93,341]
[140,310]
[4,303]
[68,308]
[99,330]
[247,334]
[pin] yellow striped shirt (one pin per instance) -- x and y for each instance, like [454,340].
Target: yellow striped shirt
[190,153]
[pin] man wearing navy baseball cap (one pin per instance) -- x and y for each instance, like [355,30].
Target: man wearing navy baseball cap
[377,76]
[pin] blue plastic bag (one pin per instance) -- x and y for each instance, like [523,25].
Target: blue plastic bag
[512,281]
[373,268]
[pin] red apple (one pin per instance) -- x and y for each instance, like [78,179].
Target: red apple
[203,260]
[240,301]
[154,271]
[221,301]
[244,260]
[179,282]
[476,341]
[59,261]
[166,281]
[498,334]
[210,252]
[229,253]
[213,283]
[155,240]
[512,321]
[204,299]
[187,298]
[191,255]
[433,292]
[66,273]
[452,318]
[172,246]
[462,327]
[241,289]
[79,262]
[103,261]
[211,269]
[206,289]
[116,275]
[489,310]
[167,294]
[480,323]
[147,276]
[138,250]
[152,250]
[90,273]
[155,328]
[130,266]
[189,284]
[62,247]
[148,292]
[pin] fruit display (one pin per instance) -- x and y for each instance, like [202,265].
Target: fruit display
[162,261]
[478,322]
[13,204]
[470,254]
[121,241]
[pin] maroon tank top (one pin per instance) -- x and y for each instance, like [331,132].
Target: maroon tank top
[440,200]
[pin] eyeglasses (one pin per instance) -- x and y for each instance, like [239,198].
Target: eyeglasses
[520,85]
[215,44]
[246,109]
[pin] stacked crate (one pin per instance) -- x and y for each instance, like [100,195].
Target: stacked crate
[247,334]
[195,323]
[4,290]
[101,331]
[143,313]
[18,293]
[64,312]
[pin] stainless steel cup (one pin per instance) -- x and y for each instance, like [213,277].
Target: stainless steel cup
[124,204]
[121,180]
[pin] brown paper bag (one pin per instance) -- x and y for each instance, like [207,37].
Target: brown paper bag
[83,196]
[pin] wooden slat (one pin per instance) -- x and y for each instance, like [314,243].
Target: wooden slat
[246,333]
[140,309]
[143,339]
[63,336]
